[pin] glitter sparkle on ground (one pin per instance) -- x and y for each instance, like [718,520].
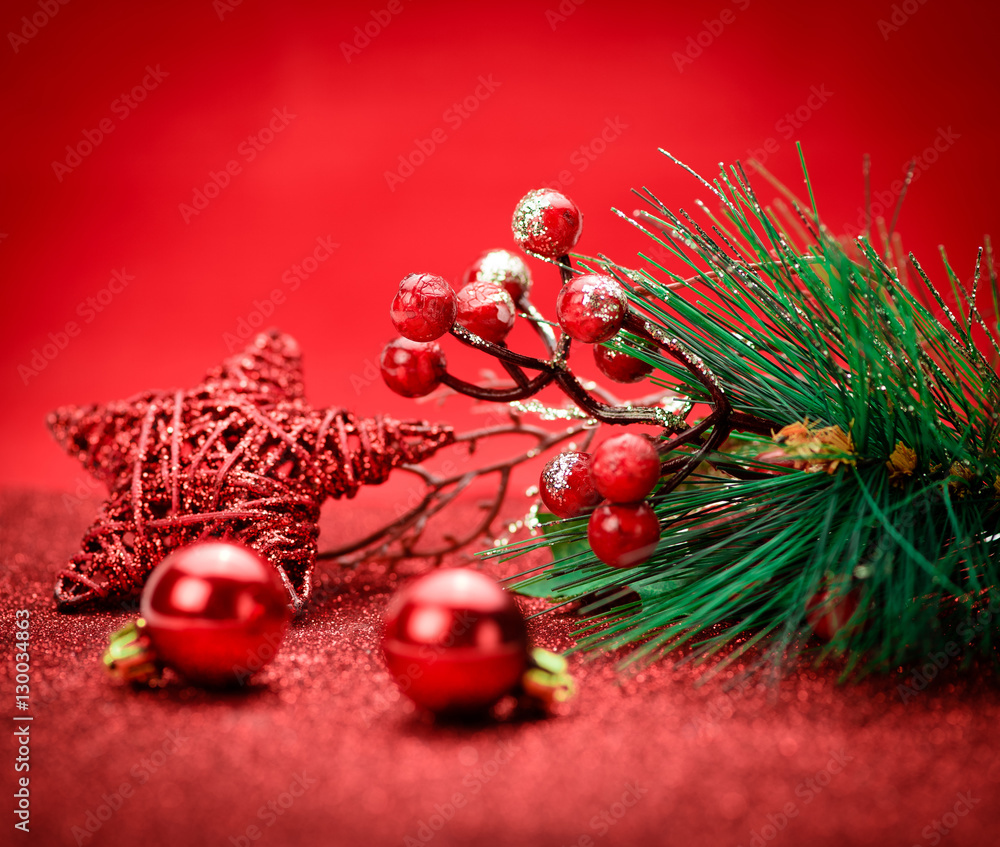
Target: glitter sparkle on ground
[321,748]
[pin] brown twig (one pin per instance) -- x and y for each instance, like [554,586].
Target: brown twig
[399,539]
[717,426]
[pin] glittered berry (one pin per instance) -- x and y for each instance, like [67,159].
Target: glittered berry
[486,309]
[591,307]
[566,486]
[423,308]
[412,368]
[547,223]
[503,268]
[455,641]
[214,612]
[625,468]
[828,612]
[623,535]
[619,366]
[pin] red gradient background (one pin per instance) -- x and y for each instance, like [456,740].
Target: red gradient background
[720,766]
[559,81]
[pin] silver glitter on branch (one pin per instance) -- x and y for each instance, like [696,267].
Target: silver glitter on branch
[595,405]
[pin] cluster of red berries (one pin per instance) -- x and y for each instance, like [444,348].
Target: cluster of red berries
[612,485]
[590,307]
[426,307]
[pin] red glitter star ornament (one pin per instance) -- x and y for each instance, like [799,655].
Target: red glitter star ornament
[242,456]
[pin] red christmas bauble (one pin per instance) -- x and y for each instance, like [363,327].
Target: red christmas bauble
[423,308]
[412,368]
[619,366]
[503,268]
[623,535]
[455,641]
[591,307]
[486,309]
[547,223]
[567,487]
[625,468]
[215,612]
[828,612]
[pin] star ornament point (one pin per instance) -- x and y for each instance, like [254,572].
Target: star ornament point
[240,456]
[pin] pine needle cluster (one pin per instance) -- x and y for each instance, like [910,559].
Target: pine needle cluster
[877,489]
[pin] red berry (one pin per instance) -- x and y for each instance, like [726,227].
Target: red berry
[214,611]
[547,223]
[827,612]
[486,309]
[424,308]
[623,535]
[566,486]
[412,368]
[625,468]
[503,268]
[619,366]
[455,641]
[591,308]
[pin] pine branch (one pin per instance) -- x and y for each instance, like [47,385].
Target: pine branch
[886,488]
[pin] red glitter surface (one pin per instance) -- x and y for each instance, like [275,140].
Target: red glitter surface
[805,762]
[703,765]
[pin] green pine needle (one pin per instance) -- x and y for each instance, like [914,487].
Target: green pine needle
[891,407]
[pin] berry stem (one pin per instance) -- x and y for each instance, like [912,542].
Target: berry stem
[745,422]
[499,351]
[501,395]
[606,413]
[721,421]
[540,325]
[565,268]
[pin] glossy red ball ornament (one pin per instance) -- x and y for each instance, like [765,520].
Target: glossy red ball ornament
[486,309]
[619,366]
[503,268]
[591,307]
[423,308]
[623,535]
[547,223]
[828,612]
[412,368]
[566,485]
[455,641]
[625,468]
[214,612]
